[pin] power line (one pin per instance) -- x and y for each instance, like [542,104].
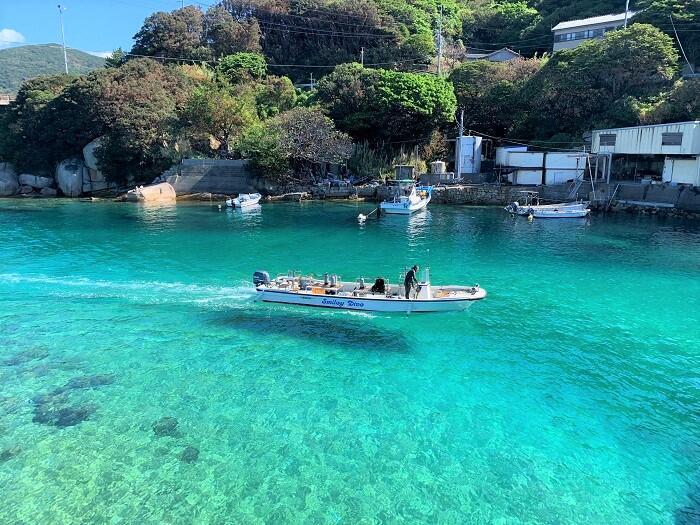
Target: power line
[692,71]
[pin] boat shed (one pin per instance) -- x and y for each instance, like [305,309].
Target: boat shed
[668,153]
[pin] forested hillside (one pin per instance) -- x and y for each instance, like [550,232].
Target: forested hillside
[220,82]
[24,62]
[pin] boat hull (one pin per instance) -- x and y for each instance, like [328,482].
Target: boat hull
[367,304]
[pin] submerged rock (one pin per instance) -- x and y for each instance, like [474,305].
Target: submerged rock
[190,454]
[165,426]
[48,414]
[9,453]
[92,381]
[26,356]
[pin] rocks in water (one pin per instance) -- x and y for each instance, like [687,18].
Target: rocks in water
[26,356]
[9,453]
[162,192]
[35,181]
[9,184]
[69,177]
[190,454]
[62,416]
[165,426]
[26,190]
[92,381]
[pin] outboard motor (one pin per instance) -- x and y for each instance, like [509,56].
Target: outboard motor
[261,277]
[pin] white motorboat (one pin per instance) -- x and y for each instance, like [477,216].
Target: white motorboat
[406,197]
[560,213]
[244,200]
[331,292]
[532,205]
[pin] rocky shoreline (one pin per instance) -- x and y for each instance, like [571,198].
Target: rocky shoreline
[75,178]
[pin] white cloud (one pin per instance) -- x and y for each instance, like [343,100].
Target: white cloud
[103,54]
[10,37]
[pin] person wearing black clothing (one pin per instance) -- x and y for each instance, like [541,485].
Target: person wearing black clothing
[410,280]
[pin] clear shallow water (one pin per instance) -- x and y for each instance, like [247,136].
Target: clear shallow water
[571,395]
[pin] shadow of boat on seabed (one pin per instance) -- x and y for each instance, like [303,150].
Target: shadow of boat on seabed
[340,329]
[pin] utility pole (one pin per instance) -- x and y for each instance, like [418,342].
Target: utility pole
[458,145]
[627,10]
[362,56]
[182,4]
[63,37]
[439,44]
[312,81]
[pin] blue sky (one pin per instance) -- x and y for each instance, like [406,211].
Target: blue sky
[91,25]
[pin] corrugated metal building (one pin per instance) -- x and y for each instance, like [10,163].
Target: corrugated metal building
[660,152]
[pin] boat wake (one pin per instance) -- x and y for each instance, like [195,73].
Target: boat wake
[145,292]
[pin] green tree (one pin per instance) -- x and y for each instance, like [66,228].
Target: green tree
[140,105]
[490,93]
[243,66]
[274,95]
[686,17]
[222,111]
[295,142]
[47,123]
[408,105]
[500,22]
[179,34]
[680,103]
[587,86]
[224,35]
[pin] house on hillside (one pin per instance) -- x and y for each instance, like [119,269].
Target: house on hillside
[500,55]
[660,153]
[570,34]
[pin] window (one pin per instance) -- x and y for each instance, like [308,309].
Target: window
[608,139]
[671,139]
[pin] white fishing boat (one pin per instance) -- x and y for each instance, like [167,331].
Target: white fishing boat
[406,197]
[331,292]
[532,205]
[244,200]
[560,213]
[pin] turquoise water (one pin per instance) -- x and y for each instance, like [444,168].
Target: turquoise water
[570,395]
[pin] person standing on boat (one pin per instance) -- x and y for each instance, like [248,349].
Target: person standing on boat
[410,280]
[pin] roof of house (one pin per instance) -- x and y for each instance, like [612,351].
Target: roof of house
[605,19]
[475,56]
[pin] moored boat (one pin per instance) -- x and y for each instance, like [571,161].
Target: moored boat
[331,292]
[406,197]
[244,200]
[532,206]
[560,213]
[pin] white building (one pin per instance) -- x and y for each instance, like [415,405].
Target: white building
[667,153]
[574,32]
[500,55]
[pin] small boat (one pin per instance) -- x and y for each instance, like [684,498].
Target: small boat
[532,205]
[244,200]
[331,292]
[559,213]
[406,197]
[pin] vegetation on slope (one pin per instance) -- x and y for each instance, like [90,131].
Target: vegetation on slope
[18,64]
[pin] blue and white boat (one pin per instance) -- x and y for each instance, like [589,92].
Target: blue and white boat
[406,197]
[331,292]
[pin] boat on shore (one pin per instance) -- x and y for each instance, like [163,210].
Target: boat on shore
[244,200]
[406,197]
[332,292]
